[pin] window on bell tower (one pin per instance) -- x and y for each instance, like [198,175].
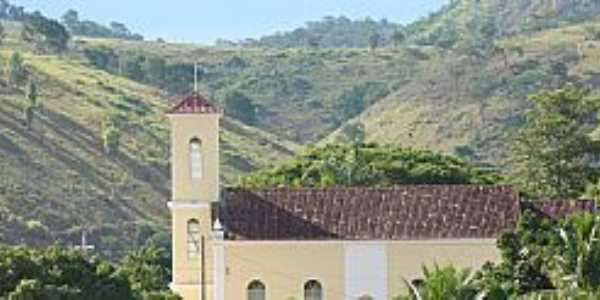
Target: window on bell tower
[194,239]
[196,158]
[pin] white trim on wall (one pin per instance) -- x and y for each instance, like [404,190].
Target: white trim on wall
[365,271]
[173,205]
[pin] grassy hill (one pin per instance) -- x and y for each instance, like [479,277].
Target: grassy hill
[301,94]
[463,96]
[55,177]
[473,106]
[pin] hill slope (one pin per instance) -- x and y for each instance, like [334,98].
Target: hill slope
[55,177]
[472,106]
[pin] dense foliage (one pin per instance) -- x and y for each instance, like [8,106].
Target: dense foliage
[56,273]
[92,29]
[44,34]
[555,154]
[331,32]
[361,164]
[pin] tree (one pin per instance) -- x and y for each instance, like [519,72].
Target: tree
[111,135]
[374,40]
[352,102]
[553,153]
[353,133]
[578,256]
[26,272]
[240,106]
[368,165]
[398,37]
[33,290]
[147,269]
[71,19]
[46,35]
[2,33]
[16,72]
[154,68]
[31,104]
[443,283]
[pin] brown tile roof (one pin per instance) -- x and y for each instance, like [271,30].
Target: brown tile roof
[397,213]
[194,104]
[558,209]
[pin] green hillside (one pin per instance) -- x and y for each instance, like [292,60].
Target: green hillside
[472,104]
[458,84]
[55,177]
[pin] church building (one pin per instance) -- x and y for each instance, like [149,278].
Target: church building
[320,243]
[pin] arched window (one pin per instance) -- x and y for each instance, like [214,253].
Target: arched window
[313,290]
[196,158]
[194,238]
[256,290]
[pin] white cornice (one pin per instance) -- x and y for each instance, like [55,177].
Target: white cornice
[187,205]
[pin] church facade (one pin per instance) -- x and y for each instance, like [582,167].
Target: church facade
[329,243]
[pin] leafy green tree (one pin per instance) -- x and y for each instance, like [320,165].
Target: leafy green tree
[553,154]
[240,106]
[524,252]
[111,135]
[31,104]
[130,66]
[46,35]
[398,37]
[154,68]
[576,264]
[2,33]
[16,72]
[352,102]
[368,165]
[71,19]
[353,133]
[374,40]
[147,269]
[443,283]
[60,271]
[447,35]
[34,290]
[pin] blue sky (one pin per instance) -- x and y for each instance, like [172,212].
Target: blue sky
[206,20]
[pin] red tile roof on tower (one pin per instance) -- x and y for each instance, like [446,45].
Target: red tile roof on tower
[194,104]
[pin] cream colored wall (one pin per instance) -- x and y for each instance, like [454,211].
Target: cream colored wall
[185,127]
[405,259]
[283,267]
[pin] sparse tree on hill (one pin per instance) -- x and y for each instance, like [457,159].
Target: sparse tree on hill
[374,40]
[2,33]
[240,107]
[554,155]
[399,37]
[30,107]
[16,72]
[46,35]
[111,136]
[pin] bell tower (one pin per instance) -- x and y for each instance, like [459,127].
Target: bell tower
[195,187]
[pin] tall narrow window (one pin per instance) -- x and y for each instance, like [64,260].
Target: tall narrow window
[256,290]
[196,158]
[313,290]
[194,239]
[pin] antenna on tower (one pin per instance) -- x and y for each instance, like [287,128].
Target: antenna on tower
[196,78]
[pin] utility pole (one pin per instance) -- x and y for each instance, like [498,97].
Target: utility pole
[202,270]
